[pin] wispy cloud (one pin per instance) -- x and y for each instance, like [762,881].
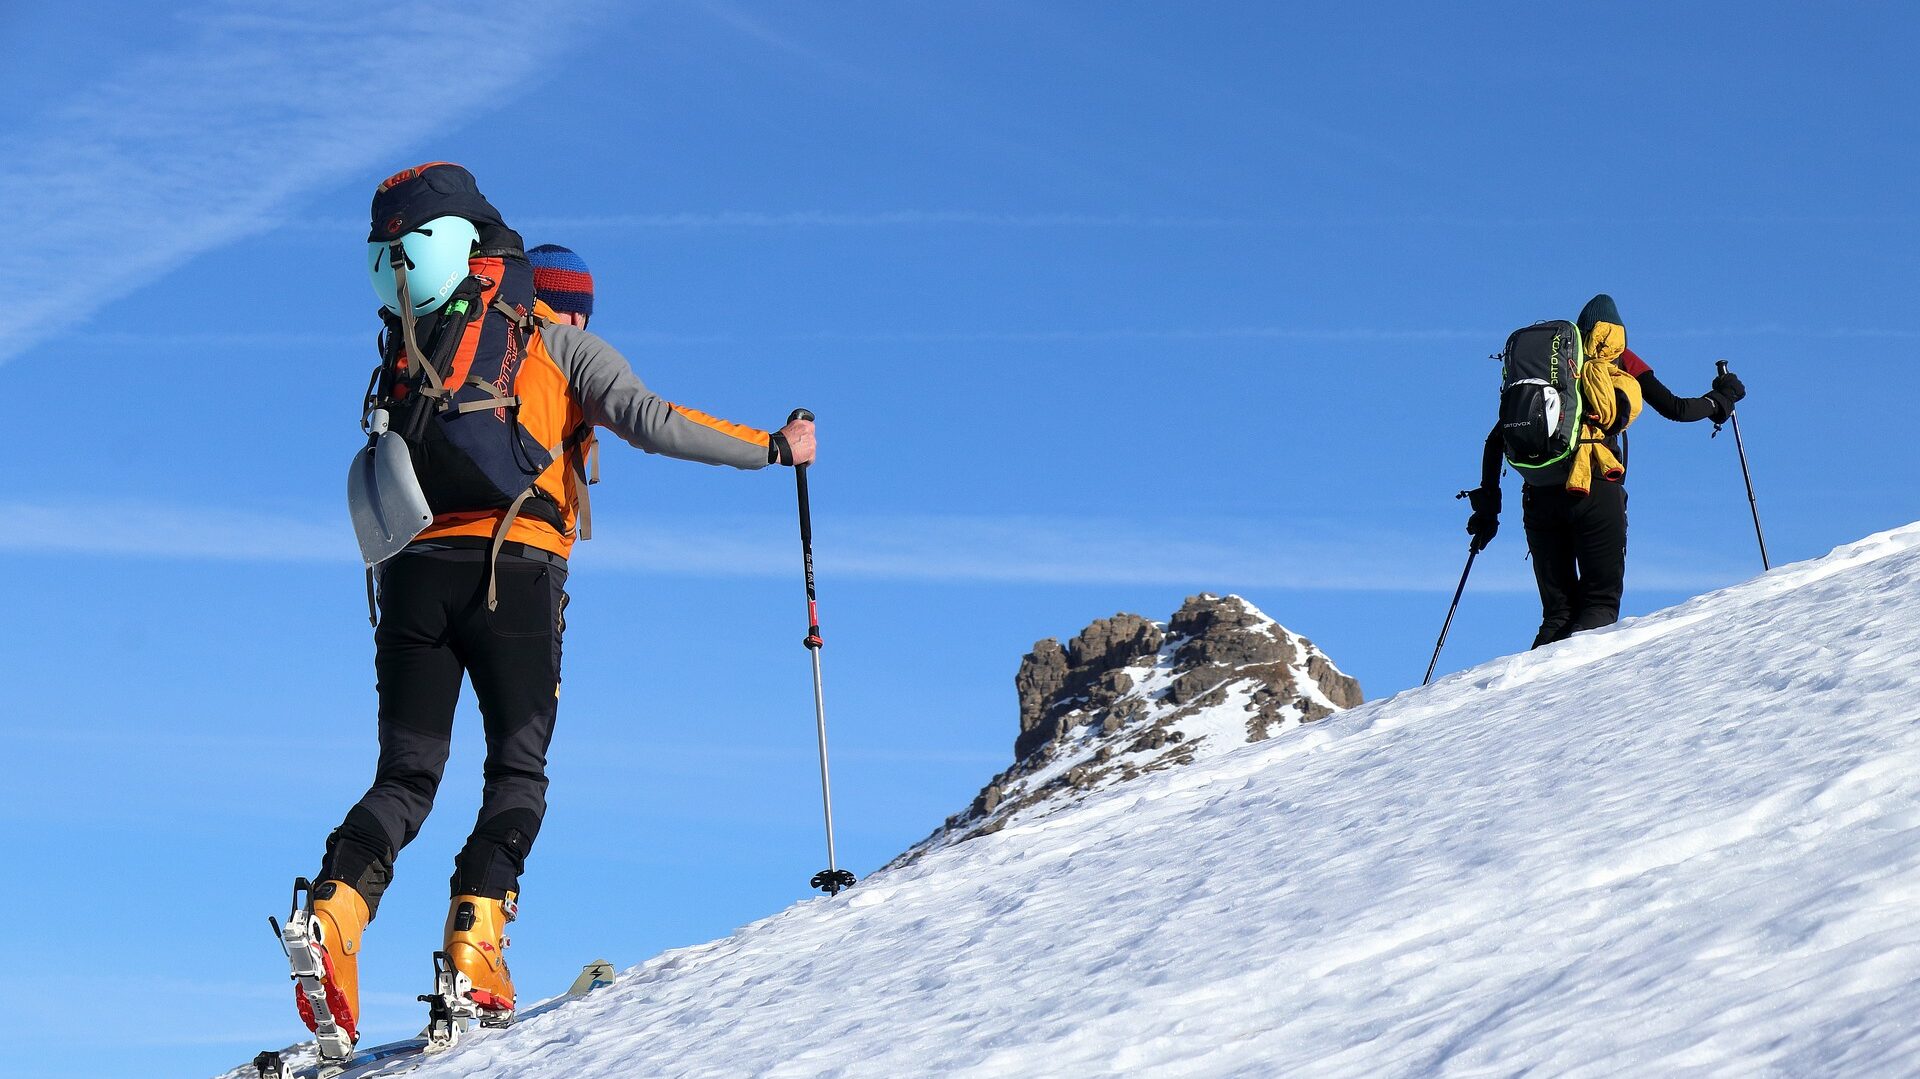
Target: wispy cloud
[1093,220]
[214,139]
[1188,551]
[1359,335]
[762,31]
[845,219]
[1203,333]
[149,341]
[925,218]
[162,530]
[884,219]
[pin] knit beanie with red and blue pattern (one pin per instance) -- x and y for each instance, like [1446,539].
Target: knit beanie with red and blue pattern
[561,278]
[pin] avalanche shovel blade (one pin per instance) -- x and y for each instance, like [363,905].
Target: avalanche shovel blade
[385,499]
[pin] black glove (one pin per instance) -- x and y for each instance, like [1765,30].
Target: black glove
[1727,391]
[1728,385]
[1485,522]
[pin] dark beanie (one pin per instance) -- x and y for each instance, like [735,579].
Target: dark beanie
[409,199]
[1599,309]
[561,278]
[1602,333]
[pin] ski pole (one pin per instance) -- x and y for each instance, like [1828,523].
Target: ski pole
[1721,366]
[831,879]
[1473,551]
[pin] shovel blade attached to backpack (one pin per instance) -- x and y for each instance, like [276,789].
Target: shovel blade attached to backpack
[384,496]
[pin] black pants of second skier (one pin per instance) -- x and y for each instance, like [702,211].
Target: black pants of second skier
[434,629]
[1579,548]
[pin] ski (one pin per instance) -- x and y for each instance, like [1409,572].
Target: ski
[394,1058]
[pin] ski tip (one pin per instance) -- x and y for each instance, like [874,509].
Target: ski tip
[595,975]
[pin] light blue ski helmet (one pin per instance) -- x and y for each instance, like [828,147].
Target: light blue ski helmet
[436,254]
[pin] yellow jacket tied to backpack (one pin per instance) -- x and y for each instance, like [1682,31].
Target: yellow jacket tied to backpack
[1613,401]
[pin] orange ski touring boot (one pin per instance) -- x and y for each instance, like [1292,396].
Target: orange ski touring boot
[322,939]
[476,946]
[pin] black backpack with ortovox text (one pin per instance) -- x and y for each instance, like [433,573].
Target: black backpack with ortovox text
[1540,406]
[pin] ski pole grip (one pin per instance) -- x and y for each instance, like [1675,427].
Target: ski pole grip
[1720,366]
[801,470]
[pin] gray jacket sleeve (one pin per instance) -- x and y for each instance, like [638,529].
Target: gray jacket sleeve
[613,397]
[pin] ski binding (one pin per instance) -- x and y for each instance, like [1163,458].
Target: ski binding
[452,1009]
[449,1009]
[308,962]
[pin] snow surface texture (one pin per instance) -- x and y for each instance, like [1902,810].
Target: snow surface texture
[1685,845]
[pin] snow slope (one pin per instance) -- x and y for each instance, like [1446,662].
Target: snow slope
[1685,845]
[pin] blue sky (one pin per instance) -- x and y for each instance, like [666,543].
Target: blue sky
[1100,305]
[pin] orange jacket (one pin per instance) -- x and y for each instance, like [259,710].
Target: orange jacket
[571,382]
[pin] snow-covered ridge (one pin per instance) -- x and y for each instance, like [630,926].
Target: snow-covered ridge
[1688,844]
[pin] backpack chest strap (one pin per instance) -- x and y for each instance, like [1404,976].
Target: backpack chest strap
[495,399]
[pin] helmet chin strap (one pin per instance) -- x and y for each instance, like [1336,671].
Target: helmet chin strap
[397,258]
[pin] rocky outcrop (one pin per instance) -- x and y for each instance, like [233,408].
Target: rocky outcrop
[1128,696]
[1090,674]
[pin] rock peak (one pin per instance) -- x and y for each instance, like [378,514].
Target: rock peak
[1128,696]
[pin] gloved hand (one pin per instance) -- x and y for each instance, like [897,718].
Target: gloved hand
[1485,522]
[1727,391]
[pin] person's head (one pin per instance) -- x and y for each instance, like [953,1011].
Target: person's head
[1601,330]
[562,281]
[428,219]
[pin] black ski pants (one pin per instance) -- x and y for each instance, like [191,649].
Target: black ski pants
[1579,548]
[434,629]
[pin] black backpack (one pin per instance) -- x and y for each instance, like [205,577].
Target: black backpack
[470,452]
[1540,406]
